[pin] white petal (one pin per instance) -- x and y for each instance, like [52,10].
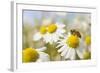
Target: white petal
[80,49]
[64,52]
[60,25]
[60,31]
[59,45]
[41,49]
[68,53]
[62,49]
[73,54]
[48,38]
[80,54]
[37,36]
[62,42]
[43,57]
[55,37]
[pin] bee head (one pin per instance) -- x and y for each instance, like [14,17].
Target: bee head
[75,32]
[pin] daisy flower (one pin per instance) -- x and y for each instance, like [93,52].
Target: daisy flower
[34,55]
[50,33]
[88,40]
[86,55]
[87,51]
[71,45]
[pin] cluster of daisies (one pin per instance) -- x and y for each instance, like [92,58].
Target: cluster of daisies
[71,45]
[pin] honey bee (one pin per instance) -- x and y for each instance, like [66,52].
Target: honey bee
[75,32]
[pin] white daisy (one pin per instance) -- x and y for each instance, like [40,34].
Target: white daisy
[34,55]
[87,50]
[86,54]
[50,33]
[70,46]
[88,42]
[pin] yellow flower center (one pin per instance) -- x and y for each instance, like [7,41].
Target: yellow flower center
[73,41]
[43,29]
[29,55]
[51,28]
[86,55]
[88,40]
